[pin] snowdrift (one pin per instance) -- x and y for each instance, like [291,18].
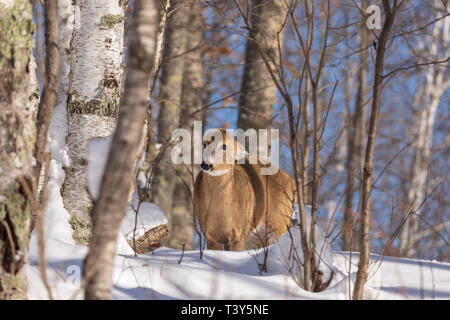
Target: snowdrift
[172,274]
[220,274]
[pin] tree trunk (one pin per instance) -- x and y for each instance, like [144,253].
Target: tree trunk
[306,110]
[425,114]
[356,136]
[94,94]
[112,203]
[58,126]
[169,99]
[364,257]
[191,101]
[305,139]
[19,95]
[258,92]
[50,91]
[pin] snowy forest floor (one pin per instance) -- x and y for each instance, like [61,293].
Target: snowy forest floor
[229,275]
[219,274]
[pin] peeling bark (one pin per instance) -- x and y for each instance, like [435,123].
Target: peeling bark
[95,80]
[112,203]
[151,240]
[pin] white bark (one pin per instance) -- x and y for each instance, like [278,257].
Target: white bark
[97,45]
[112,203]
[59,126]
[95,81]
[429,99]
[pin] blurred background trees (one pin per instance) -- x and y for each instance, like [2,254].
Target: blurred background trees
[409,214]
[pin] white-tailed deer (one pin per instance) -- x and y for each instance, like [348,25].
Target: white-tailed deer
[233,201]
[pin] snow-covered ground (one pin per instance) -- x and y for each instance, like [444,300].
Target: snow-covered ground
[227,275]
[219,274]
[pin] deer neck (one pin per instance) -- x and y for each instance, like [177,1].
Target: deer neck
[223,183]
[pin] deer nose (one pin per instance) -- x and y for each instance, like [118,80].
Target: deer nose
[206,166]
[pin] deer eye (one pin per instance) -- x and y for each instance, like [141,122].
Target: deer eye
[224,147]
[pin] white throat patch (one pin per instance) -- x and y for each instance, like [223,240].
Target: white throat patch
[217,172]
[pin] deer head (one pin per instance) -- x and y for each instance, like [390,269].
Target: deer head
[220,152]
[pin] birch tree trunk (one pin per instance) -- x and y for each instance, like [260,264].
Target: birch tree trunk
[424,118]
[112,203]
[191,101]
[94,92]
[169,101]
[258,92]
[19,95]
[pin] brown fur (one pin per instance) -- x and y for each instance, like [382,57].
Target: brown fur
[228,207]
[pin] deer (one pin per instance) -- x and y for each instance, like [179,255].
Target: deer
[238,208]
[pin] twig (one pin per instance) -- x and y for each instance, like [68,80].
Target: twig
[182,253]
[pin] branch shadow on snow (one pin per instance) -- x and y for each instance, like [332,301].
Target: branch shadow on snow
[140,293]
[417,293]
[238,262]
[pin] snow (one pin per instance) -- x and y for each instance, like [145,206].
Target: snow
[173,274]
[323,254]
[98,155]
[231,275]
[148,217]
[220,274]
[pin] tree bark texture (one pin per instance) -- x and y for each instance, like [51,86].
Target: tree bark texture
[50,92]
[364,257]
[169,100]
[428,99]
[94,93]
[191,102]
[258,92]
[356,137]
[19,97]
[112,203]
[59,125]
